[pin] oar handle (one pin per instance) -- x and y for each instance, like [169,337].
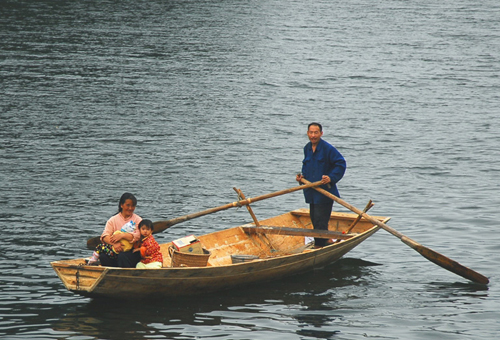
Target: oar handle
[160,226]
[431,255]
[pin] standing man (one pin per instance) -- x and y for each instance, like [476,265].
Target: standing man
[322,162]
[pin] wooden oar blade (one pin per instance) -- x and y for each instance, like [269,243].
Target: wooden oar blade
[445,262]
[93,242]
[160,226]
[429,254]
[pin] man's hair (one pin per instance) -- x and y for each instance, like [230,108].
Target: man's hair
[317,124]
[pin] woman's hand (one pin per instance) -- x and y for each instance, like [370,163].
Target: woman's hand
[118,247]
[115,238]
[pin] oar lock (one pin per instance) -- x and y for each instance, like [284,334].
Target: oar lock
[240,197]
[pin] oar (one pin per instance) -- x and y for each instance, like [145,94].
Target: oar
[368,207]
[431,255]
[160,226]
[249,208]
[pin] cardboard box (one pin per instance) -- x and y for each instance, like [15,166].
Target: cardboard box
[189,244]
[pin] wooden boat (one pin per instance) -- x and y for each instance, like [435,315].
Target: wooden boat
[278,244]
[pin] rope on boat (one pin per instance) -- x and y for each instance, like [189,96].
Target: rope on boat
[77,275]
[240,198]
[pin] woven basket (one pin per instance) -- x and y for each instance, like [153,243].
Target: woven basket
[187,259]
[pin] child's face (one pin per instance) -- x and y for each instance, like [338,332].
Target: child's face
[145,231]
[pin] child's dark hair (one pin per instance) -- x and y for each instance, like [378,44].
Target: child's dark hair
[147,223]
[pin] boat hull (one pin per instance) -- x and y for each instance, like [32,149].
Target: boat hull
[221,274]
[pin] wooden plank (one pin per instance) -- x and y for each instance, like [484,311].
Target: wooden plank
[88,272]
[335,215]
[264,229]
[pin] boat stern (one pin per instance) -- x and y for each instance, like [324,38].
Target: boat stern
[77,276]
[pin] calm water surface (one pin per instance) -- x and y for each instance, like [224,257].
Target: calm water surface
[180,101]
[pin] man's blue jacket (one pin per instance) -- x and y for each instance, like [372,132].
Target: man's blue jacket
[325,161]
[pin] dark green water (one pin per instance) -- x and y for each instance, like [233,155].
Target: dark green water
[180,101]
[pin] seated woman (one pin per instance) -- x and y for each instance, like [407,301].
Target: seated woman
[120,232]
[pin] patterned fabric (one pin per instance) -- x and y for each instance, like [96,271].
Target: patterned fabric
[150,250]
[107,249]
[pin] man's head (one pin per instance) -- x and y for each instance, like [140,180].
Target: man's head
[314,132]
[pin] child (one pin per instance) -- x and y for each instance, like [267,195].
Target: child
[149,248]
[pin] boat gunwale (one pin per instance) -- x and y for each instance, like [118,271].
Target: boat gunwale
[113,269]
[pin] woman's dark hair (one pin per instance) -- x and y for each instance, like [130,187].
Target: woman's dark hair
[147,223]
[126,196]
